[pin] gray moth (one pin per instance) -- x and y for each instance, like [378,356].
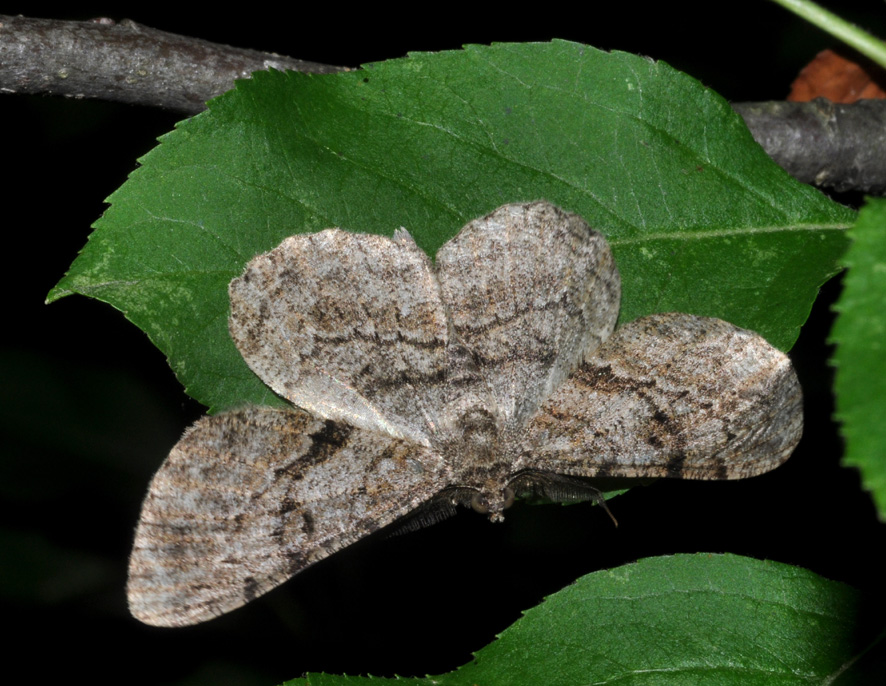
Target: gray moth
[492,371]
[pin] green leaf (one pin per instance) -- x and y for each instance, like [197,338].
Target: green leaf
[700,219]
[860,358]
[686,619]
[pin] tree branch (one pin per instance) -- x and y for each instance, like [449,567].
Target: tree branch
[125,62]
[838,146]
[824,143]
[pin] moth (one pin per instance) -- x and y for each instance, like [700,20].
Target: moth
[492,371]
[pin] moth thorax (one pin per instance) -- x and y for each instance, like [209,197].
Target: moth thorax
[474,441]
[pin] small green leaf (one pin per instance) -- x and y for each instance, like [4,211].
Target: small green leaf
[686,619]
[700,219]
[860,358]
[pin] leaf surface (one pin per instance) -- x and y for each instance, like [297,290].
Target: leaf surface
[700,219]
[686,619]
[860,358]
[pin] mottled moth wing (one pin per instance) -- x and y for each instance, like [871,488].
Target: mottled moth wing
[671,395]
[348,326]
[248,498]
[427,386]
[531,289]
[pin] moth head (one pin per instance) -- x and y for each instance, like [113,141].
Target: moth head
[492,502]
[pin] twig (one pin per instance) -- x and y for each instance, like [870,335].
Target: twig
[838,146]
[824,143]
[868,45]
[125,62]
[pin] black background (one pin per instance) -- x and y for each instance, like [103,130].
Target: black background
[90,408]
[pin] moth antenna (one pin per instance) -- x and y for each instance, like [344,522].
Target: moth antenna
[601,501]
